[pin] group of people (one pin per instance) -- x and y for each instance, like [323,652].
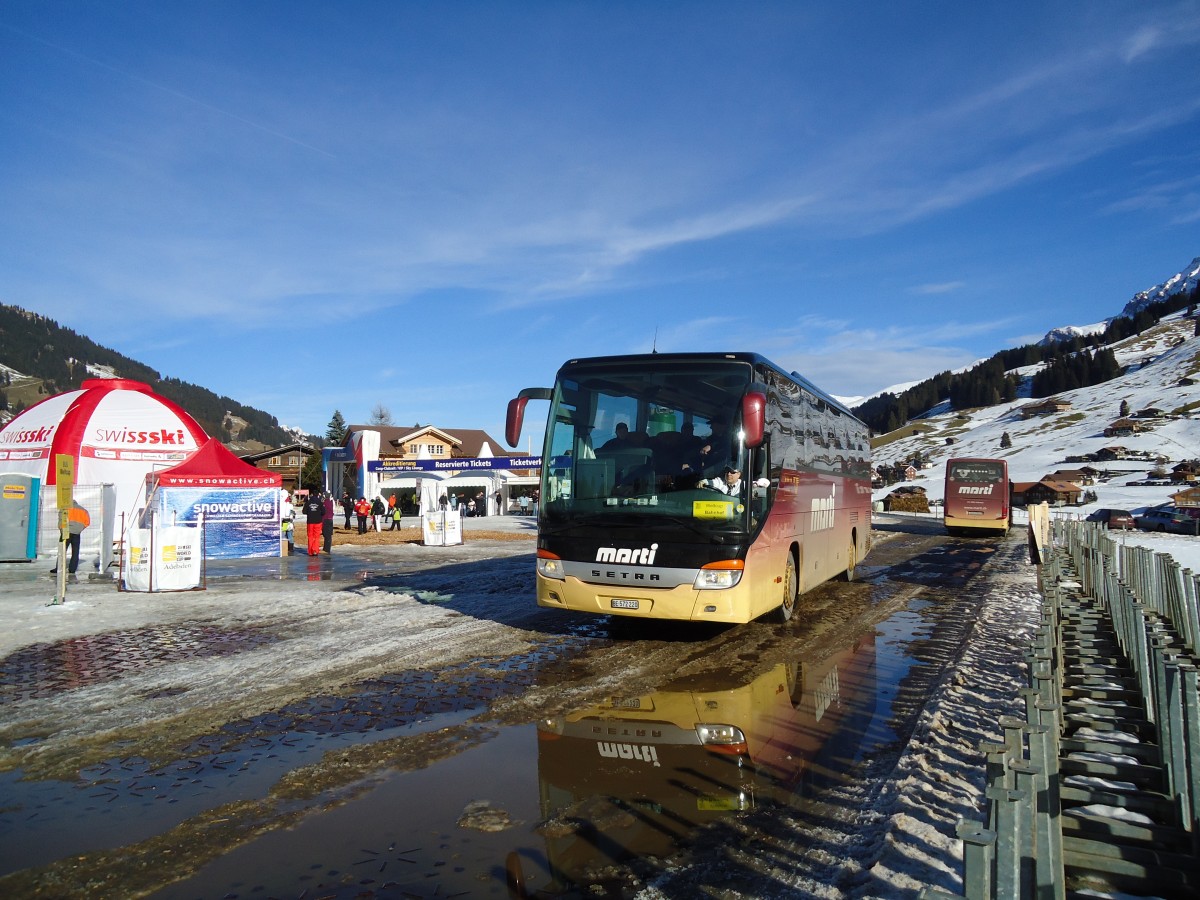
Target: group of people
[319,512]
[372,513]
[468,506]
[681,458]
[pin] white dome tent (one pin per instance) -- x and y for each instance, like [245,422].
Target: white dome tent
[117,432]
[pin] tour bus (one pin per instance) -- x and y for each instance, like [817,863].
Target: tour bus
[977,496]
[708,487]
[705,749]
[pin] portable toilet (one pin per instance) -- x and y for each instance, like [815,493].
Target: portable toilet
[19,495]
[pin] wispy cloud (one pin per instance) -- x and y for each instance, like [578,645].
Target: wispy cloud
[943,287]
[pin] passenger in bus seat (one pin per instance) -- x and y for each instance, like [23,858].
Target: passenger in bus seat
[624,440]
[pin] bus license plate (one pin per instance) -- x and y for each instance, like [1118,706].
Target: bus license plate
[624,604]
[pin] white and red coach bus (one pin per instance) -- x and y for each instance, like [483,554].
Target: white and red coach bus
[977,496]
[708,487]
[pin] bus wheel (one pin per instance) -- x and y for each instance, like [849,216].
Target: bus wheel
[851,561]
[787,606]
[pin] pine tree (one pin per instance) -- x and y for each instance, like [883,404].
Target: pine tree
[1005,441]
[335,431]
[1123,411]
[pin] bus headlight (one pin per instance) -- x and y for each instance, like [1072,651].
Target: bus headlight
[721,736]
[550,566]
[719,575]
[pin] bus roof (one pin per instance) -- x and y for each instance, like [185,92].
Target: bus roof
[751,358]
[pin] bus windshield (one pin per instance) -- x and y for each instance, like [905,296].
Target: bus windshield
[628,444]
[976,471]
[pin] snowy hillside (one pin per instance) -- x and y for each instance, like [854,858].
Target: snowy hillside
[1155,363]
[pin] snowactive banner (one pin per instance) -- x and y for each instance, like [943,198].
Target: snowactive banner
[238,523]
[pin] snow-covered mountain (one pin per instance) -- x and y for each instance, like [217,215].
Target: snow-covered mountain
[1066,332]
[1162,371]
[1184,280]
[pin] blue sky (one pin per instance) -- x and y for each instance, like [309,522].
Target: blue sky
[429,206]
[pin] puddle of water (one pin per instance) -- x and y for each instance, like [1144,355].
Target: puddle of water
[125,801]
[633,778]
[399,839]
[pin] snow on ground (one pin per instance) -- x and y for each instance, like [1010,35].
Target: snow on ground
[1157,360]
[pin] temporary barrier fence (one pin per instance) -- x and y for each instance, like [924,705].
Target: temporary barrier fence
[1098,784]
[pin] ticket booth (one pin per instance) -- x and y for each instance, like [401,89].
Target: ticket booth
[19,494]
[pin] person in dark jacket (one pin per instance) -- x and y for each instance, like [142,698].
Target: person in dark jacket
[347,508]
[314,515]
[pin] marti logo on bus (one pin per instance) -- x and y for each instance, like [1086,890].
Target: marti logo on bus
[976,491]
[822,512]
[646,753]
[640,556]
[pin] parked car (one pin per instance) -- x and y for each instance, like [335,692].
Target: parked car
[1166,519]
[1113,518]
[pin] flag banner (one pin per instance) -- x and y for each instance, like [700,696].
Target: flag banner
[163,559]
[441,529]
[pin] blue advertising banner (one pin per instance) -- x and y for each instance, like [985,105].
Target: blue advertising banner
[464,464]
[338,454]
[238,523]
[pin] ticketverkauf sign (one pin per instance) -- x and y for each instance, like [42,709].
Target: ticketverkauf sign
[461,464]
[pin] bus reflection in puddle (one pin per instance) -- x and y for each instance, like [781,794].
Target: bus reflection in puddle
[635,776]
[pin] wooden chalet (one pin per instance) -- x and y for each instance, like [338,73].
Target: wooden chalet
[1048,407]
[1122,428]
[434,442]
[287,462]
[1055,493]
[1187,472]
[1187,497]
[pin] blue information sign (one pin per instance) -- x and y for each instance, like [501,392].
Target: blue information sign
[461,464]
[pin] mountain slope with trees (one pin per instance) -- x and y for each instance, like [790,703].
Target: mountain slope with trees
[55,359]
[1080,361]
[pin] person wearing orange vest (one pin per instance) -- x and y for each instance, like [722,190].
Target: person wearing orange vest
[77,520]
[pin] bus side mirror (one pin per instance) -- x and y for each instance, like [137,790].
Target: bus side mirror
[754,416]
[514,420]
[516,412]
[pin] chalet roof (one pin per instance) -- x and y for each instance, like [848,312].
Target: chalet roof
[1020,487]
[1061,487]
[1068,474]
[1125,423]
[277,451]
